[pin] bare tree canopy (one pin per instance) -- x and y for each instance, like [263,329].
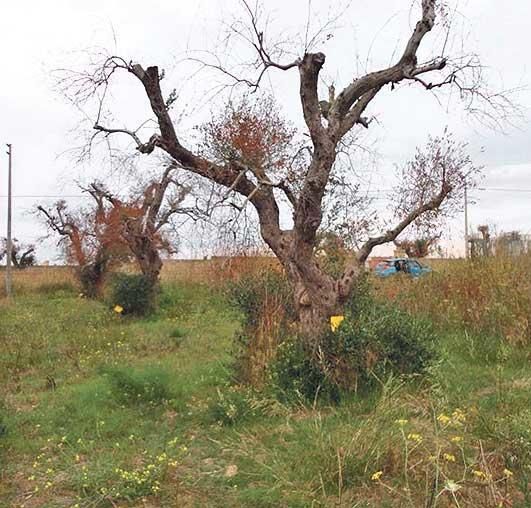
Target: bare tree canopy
[434,177]
[88,240]
[139,221]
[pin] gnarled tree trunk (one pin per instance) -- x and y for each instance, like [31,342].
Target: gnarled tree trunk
[317,297]
[147,256]
[92,275]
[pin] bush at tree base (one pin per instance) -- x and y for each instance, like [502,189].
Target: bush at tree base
[135,293]
[374,341]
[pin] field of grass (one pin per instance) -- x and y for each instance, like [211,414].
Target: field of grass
[103,410]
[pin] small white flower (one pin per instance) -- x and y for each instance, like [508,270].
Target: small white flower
[451,486]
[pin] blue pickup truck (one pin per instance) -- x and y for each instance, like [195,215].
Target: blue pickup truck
[394,266]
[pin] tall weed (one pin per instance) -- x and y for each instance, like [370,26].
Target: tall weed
[488,296]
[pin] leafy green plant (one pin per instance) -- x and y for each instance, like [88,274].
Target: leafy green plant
[134,293]
[374,341]
[295,375]
[139,386]
[177,335]
[230,406]
[234,405]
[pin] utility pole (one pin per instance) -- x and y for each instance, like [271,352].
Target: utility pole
[9,246]
[466,225]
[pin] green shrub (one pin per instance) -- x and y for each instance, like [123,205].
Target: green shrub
[236,404]
[375,340]
[381,340]
[295,375]
[135,293]
[230,407]
[149,386]
[178,335]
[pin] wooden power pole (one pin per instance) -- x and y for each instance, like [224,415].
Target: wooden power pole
[9,246]
[467,245]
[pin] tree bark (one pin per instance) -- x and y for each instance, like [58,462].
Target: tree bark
[316,298]
[148,258]
[91,276]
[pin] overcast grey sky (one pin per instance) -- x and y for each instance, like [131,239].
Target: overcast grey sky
[36,37]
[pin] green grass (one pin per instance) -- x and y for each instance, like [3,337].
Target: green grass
[100,410]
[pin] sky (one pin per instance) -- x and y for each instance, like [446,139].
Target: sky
[38,37]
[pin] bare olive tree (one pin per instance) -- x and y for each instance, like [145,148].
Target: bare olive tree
[431,180]
[88,240]
[141,221]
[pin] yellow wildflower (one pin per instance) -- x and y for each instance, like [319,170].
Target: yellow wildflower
[118,309]
[456,439]
[479,474]
[415,437]
[376,476]
[401,422]
[442,418]
[335,321]
[507,473]
[459,416]
[449,457]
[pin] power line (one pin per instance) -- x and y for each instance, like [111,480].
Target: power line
[501,189]
[46,196]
